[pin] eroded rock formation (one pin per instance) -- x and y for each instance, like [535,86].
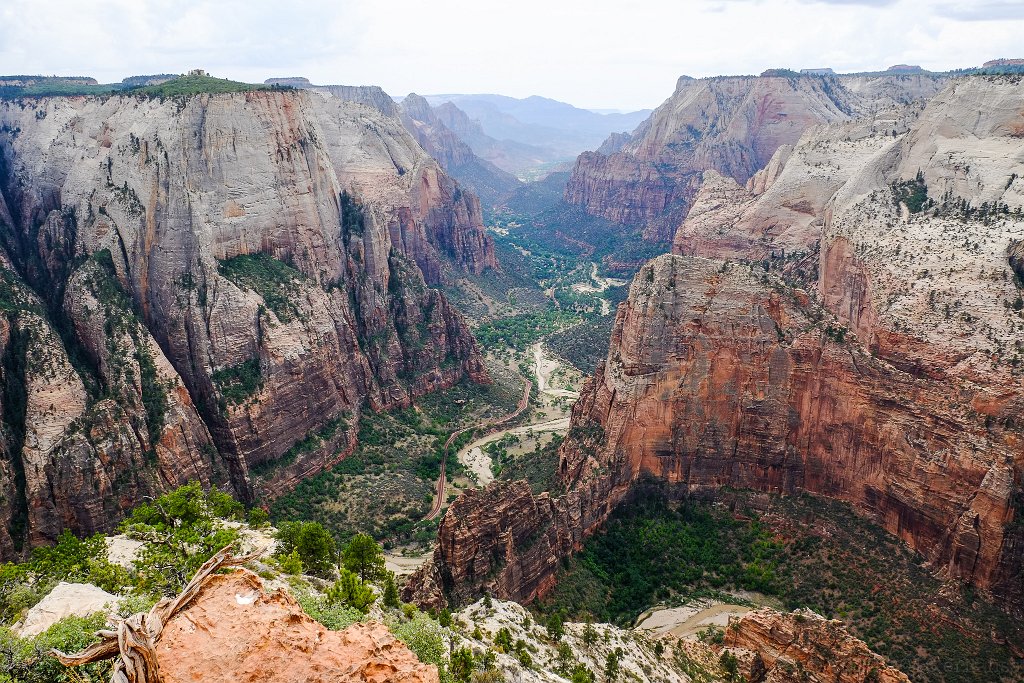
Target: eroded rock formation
[487,181]
[192,287]
[234,630]
[731,125]
[803,646]
[864,379]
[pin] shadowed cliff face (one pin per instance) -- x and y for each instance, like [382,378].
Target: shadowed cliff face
[880,387]
[192,287]
[730,125]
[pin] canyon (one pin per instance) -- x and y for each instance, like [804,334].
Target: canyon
[225,288]
[796,341]
[212,288]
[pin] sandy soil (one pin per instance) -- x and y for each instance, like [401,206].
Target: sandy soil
[687,621]
[603,283]
[402,565]
[554,418]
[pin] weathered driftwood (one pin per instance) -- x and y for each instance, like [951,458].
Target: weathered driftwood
[134,641]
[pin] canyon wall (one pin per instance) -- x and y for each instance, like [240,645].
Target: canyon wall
[487,181]
[730,125]
[880,364]
[212,288]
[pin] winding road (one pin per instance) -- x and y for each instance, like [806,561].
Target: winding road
[442,480]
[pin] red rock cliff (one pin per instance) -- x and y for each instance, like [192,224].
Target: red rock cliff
[731,125]
[719,377]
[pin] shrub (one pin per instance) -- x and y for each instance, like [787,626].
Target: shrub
[390,597]
[274,281]
[238,382]
[334,616]
[180,532]
[461,668]
[350,590]
[258,517]
[424,637]
[503,640]
[291,563]
[28,660]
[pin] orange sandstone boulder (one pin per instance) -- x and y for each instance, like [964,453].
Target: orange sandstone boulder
[236,631]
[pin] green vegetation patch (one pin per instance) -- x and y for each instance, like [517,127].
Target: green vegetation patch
[236,383]
[651,551]
[913,193]
[384,468]
[803,551]
[195,85]
[520,331]
[275,281]
[539,467]
[396,463]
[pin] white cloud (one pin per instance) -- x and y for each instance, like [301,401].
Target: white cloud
[596,53]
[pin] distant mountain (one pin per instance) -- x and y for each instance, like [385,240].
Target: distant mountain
[508,155]
[490,183]
[560,130]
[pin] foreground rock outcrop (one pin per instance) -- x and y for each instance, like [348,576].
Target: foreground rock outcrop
[803,646]
[236,631]
[212,288]
[730,125]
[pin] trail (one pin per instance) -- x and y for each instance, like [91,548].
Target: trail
[479,462]
[442,480]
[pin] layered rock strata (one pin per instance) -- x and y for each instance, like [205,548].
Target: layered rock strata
[487,181]
[730,125]
[717,378]
[803,646]
[212,288]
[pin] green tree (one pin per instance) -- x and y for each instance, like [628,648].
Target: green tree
[611,664]
[312,541]
[291,563]
[258,517]
[390,597]
[556,627]
[365,557]
[180,531]
[350,590]
[503,641]
[581,674]
[461,665]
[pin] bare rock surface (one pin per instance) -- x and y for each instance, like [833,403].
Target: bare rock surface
[236,631]
[731,125]
[66,599]
[803,646]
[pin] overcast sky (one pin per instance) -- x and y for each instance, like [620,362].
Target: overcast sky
[597,53]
